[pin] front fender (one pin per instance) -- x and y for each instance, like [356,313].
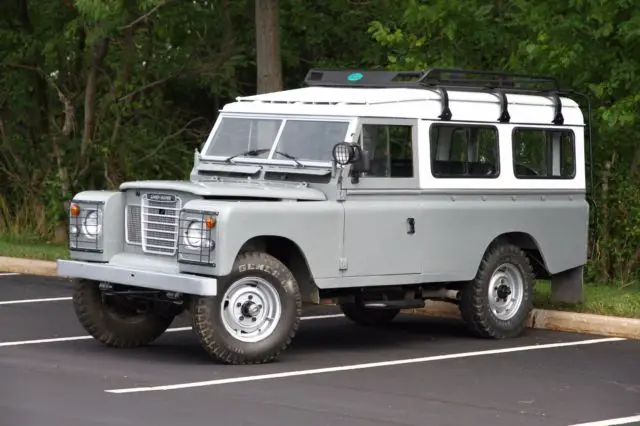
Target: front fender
[315,226]
[111,239]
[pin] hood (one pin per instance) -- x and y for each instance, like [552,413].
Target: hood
[257,189]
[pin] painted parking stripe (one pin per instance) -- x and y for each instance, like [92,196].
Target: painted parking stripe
[8,274]
[24,301]
[87,337]
[360,366]
[612,422]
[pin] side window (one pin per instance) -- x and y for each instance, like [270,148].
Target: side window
[390,149]
[459,151]
[543,153]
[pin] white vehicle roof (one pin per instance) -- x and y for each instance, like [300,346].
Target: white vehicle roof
[414,102]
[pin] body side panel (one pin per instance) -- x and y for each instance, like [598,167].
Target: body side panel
[379,238]
[459,228]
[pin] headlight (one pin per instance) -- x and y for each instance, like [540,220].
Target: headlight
[194,235]
[197,236]
[91,225]
[85,225]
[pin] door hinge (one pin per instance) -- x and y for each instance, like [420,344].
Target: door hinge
[342,264]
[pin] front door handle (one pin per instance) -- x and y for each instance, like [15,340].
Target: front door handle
[411,226]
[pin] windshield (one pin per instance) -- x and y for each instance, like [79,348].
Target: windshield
[306,140]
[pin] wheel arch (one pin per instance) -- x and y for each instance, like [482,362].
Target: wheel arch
[292,256]
[529,245]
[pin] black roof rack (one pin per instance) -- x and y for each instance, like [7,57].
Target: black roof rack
[444,79]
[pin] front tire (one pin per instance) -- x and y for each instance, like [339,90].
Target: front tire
[255,317]
[497,303]
[115,320]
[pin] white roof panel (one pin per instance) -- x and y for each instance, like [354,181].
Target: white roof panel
[403,103]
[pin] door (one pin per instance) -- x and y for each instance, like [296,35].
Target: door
[383,230]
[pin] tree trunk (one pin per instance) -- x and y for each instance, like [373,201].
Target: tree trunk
[98,53]
[268,59]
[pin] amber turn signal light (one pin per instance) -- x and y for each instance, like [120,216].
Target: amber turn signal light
[74,209]
[209,222]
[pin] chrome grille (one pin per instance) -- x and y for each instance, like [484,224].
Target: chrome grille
[133,225]
[159,224]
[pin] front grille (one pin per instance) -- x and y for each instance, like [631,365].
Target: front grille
[133,225]
[158,219]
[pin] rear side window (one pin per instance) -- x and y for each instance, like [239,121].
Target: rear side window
[464,151]
[544,153]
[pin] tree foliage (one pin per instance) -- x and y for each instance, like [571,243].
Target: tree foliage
[96,92]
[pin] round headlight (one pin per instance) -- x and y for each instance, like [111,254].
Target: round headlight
[91,224]
[194,234]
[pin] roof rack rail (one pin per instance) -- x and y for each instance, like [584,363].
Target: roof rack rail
[362,78]
[499,83]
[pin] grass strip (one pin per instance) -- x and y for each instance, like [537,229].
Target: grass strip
[599,299]
[27,248]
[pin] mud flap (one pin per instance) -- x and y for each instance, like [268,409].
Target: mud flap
[568,286]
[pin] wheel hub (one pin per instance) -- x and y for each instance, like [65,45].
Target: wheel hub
[250,309]
[506,291]
[503,292]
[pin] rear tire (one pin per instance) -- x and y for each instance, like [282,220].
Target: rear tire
[497,303]
[234,327]
[116,321]
[364,316]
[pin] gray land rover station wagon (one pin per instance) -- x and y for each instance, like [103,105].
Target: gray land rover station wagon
[376,191]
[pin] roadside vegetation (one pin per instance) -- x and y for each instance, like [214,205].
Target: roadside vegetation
[614,299]
[96,93]
[32,248]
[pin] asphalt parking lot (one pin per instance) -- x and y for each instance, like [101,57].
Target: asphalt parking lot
[417,371]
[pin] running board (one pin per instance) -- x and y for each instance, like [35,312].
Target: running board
[395,304]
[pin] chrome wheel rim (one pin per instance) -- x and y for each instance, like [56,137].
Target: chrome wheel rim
[251,309]
[506,291]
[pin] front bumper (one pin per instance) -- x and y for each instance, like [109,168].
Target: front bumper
[127,275]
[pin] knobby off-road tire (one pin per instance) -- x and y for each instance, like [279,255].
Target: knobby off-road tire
[233,326]
[364,316]
[505,271]
[113,323]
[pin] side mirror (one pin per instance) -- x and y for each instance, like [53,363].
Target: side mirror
[361,163]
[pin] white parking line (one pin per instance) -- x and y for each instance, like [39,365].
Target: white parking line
[611,422]
[8,274]
[17,302]
[87,337]
[360,366]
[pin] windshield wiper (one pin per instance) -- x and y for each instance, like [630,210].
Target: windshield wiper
[254,152]
[251,153]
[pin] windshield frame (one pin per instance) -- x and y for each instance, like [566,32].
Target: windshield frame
[270,160]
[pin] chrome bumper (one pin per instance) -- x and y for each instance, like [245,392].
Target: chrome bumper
[118,274]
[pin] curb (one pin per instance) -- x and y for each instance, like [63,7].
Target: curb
[542,319]
[573,322]
[28,266]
